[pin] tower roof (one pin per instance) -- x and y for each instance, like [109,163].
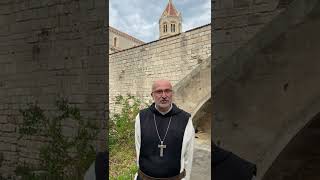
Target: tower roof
[170,10]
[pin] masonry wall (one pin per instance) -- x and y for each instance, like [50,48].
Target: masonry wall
[49,49]
[133,70]
[235,22]
[267,91]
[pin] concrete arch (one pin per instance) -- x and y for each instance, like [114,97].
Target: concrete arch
[267,91]
[235,64]
[194,90]
[193,94]
[299,159]
[302,120]
[203,117]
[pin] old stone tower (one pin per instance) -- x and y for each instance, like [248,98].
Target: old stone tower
[170,21]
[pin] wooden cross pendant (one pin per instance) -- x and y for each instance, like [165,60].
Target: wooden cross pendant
[161,146]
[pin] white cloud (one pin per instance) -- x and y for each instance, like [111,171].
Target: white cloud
[198,19]
[139,18]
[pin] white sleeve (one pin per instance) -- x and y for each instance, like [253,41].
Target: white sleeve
[137,139]
[188,156]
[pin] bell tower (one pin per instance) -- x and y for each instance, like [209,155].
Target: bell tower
[170,22]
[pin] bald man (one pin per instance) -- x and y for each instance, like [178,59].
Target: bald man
[164,137]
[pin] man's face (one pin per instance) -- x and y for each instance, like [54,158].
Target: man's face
[162,94]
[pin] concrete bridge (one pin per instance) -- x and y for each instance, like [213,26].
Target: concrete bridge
[193,94]
[266,92]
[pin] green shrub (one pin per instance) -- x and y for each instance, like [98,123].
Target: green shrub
[121,138]
[61,157]
[121,126]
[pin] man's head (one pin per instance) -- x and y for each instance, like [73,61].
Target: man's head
[162,94]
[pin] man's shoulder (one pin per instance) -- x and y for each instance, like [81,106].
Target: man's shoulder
[186,115]
[145,110]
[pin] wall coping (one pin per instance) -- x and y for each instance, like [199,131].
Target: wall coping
[163,39]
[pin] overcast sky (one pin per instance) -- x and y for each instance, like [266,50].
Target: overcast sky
[140,18]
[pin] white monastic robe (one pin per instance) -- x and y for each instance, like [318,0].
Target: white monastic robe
[187,144]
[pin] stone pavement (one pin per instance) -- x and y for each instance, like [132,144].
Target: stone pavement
[201,166]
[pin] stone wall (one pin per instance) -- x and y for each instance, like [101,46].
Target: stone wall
[49,49]
[133,70]
[235,22]
[266,90]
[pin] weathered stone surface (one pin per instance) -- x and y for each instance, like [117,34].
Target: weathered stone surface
[43,45]
[242,3]
[258,108]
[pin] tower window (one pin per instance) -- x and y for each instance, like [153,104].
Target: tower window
[173,27]
[165,28]
[115,41]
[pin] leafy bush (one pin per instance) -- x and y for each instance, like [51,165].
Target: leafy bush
[121,138]
[121,126]
[61,157]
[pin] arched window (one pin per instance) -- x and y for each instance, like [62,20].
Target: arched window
[115,41]
[173,27]
[165,28]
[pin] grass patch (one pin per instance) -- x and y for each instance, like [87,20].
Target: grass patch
[122,163]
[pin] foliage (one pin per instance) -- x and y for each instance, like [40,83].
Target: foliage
[62,157]
[28,173]
[121,138]
[121,126]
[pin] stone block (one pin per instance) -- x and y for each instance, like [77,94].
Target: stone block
[9,156]
[40,13]
[5,19]
[242,3]
[21,27]
[222,36]
[263,8]
[6,8]
[25,15]
[8,128]
[261,2]
[21,6]
[220,13]
[35,4]
[3,119]
[4,30]
[52,2]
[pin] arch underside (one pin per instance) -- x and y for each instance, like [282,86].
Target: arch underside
[300,159]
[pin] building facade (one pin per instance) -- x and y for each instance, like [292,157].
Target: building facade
[119,40]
